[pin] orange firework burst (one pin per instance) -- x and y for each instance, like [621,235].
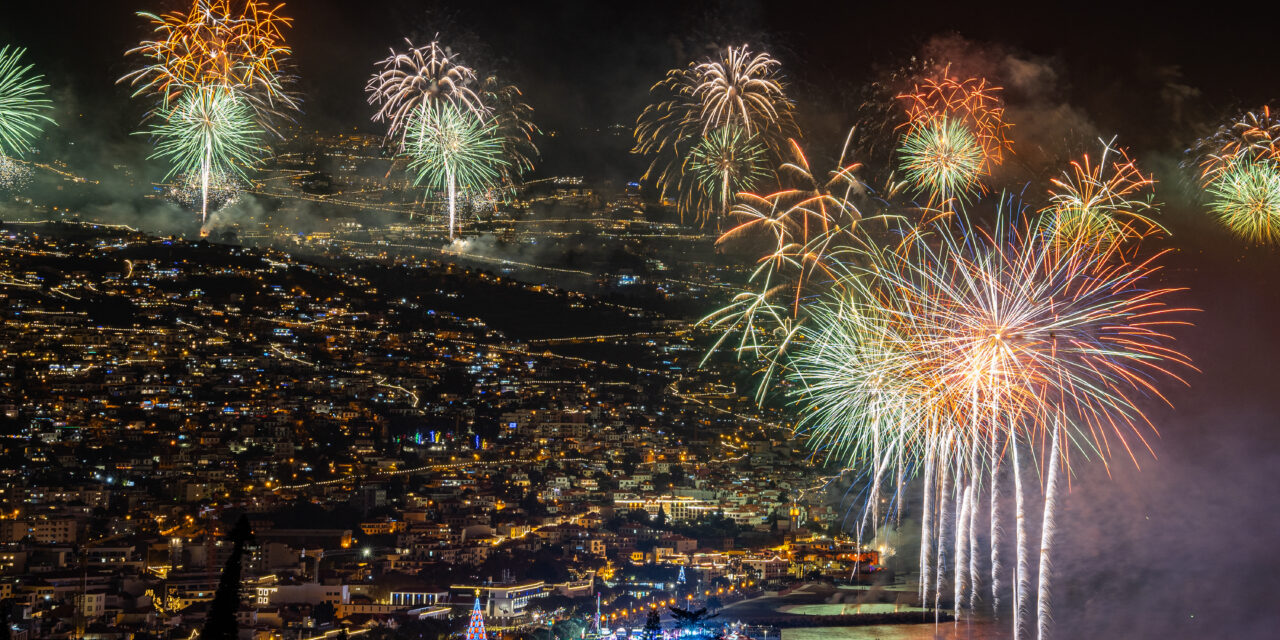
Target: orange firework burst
[238,46]
[1253,135]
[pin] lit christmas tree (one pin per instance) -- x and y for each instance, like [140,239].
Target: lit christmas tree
[475,629]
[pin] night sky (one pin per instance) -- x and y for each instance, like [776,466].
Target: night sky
[591,63]
[1183,548]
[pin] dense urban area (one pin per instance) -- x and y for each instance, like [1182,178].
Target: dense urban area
[388,432]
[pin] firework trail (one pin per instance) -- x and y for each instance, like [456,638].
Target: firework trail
[405,84]
[1022,570]
[738,89]
[451,148]
[996,530]
[208,132]
[23,105]
[1047,528]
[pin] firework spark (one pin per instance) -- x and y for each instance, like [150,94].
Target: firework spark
[23,103]
[189,190]
[405,82]
[451,148]
[13,175]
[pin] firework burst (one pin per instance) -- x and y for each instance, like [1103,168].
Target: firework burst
[956,349]
[1252,134]
[1100,200]
[943,159]
[1245,196]
[405,82]
[207,132]
[238,46]
[737,89]
[451,148]
[955,135]
[24,103]
[742,89]
[721,165]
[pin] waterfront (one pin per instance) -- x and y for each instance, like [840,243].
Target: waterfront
[980,631]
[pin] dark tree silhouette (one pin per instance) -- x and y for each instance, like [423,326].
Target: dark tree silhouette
[653,625]
[221,623]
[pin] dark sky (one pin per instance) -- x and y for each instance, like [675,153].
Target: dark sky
[592,62]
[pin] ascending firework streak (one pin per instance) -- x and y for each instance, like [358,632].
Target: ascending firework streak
[449,148]
[23,104]
[958,339]
[407,82]
[207,132]
[737,88]
[955,135]
[1099,200]
[723,164]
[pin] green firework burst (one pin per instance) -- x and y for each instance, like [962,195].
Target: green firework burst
[1246,198]
[208,131]
[23,103]
[450,148]
[724,163]
[943,158]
